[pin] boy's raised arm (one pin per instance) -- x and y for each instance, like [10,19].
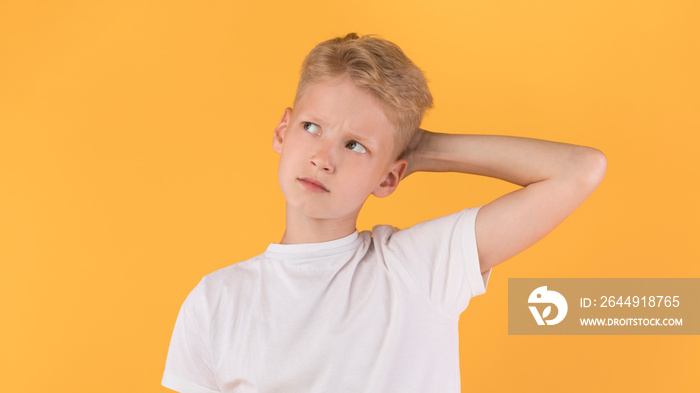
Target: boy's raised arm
[556,178]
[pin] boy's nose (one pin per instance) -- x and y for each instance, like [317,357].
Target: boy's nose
[322,160]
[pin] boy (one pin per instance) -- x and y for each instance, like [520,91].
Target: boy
[329,309]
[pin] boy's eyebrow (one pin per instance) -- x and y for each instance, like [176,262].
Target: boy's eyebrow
[351,134]
[311,117]
[362,138]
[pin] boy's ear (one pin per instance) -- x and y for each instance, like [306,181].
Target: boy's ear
[278,135]
[396,172]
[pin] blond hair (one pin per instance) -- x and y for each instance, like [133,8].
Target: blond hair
[380,67]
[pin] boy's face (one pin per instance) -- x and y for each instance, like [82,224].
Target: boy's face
[335,150]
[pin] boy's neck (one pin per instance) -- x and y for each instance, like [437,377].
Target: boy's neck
[301,229]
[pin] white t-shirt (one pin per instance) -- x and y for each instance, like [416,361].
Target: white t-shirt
[371,312]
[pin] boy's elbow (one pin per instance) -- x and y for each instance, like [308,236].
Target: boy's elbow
[591,166]
[598,166]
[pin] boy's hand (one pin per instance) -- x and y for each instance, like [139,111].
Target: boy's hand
[556,178]
[412,153]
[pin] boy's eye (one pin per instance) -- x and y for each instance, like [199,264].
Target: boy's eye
[311,127]
[356,147]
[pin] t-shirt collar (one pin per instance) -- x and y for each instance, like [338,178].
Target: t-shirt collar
[313,250]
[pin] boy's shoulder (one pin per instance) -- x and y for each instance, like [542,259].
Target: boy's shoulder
[234,271]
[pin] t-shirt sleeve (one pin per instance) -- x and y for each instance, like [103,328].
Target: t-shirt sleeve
[441,257]
[188,365]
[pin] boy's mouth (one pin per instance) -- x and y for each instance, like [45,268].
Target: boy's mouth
[312,184]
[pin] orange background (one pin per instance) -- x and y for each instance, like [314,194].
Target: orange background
[135,157]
